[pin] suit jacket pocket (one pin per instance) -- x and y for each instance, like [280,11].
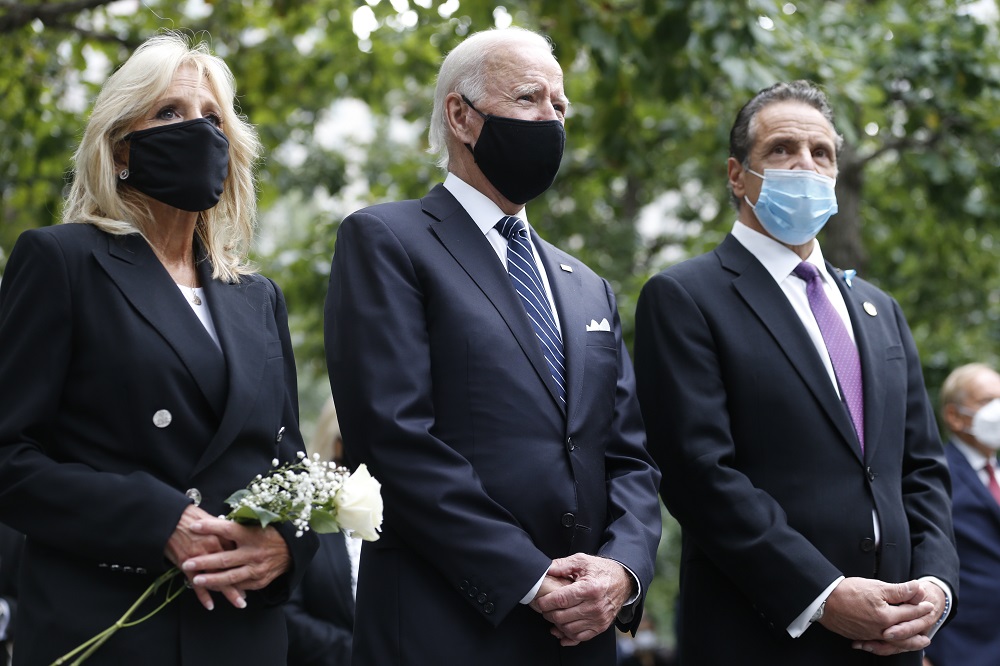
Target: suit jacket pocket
[601,339]
[274,349]
[894,351]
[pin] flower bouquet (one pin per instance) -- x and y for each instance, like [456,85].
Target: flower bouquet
[311,494]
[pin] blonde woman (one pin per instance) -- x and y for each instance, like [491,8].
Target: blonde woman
[146,374]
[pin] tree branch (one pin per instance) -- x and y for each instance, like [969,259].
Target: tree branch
[16,15]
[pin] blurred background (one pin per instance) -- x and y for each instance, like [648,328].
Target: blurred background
[340,91]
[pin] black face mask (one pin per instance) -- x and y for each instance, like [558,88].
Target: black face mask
[519,157]
[184,165]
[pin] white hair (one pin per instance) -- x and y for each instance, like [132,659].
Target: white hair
[466,71]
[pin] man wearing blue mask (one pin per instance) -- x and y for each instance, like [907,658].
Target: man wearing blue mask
[481,375]
[785,405]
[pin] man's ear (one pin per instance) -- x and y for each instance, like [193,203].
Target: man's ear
[461,119]
[736,174]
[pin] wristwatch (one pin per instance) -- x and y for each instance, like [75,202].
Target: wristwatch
[819,612]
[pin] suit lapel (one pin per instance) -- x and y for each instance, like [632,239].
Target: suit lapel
[145,283]
[872,362]
[768,302]
[961,469]
[240,313]
[465,242]
[566,293]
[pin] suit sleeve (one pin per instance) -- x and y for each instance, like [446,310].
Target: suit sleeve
[633,534]
[300,548]
[379,357]
[58,502]
[683,396]
[926,483]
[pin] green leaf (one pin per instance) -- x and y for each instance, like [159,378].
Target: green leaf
[323,522]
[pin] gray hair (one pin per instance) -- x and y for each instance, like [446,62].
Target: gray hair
[955,388]
[466,70]
[743,133]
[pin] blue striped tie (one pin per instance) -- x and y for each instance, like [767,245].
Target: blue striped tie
[528,284]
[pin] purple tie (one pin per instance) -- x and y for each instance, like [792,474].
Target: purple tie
[843,353]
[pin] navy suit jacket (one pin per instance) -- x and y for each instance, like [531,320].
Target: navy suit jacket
[761,465]
[320,614]
[97,339]
[973,637]
[486,477]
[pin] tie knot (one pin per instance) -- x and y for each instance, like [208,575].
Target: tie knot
[509,225]
[806,271]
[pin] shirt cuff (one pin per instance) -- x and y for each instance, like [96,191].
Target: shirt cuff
[530,596]
[627,611]
[805,619]
[947,603]
[4,619]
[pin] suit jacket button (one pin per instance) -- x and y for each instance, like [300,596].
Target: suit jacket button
[871,474]
[568,520]
[570,444]
[867,545]
[481,599]
[473,591]
[162,418]
[464,585]
[194,495]
[488,608]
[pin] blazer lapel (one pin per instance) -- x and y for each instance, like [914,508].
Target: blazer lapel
[566,292]
[147,286]
[465,242]
[765,298]
[960,468]
[240,313]
[872,362]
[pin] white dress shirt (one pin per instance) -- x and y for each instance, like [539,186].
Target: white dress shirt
[780,261]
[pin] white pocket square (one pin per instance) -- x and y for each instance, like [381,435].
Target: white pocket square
[594,326]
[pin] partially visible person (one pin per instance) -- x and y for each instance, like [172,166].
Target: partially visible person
[320,614]
[480,373]
[146,375]
[11,547]
[645,648]
[785,404]
[970,409]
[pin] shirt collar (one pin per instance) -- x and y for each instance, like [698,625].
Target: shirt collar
[483,211]
[777,259]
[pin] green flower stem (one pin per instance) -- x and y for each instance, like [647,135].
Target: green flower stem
[89,647]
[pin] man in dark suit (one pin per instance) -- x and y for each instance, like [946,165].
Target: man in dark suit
[970,407]
[789,416]
[509,445]
[11,546]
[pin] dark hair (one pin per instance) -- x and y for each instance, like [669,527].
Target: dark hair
[741,136]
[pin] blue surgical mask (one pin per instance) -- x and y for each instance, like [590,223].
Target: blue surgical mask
[794,204]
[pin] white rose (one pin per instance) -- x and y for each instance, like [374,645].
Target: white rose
[359,505]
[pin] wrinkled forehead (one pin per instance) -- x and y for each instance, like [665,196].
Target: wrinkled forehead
[519,62]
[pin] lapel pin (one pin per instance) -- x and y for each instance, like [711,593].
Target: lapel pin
[848,276]
[566,267]
[870,308]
